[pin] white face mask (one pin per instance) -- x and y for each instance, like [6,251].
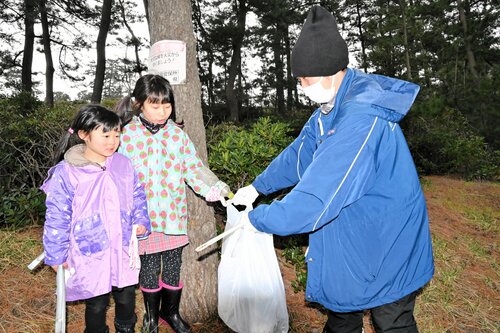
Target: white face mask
[318,94]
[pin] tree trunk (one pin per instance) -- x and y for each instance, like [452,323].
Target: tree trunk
[133,39]
[210,81]
[471,59]
[146,10]
[172,20]
[278,70]
[49,65]
[232,98]
[101,51]
[361,37]
[402,5]
[29,40]
[290,86]
[204,44]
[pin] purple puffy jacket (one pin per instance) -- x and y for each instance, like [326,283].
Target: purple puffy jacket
[88,224]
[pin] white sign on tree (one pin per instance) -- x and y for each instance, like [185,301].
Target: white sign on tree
[168,59]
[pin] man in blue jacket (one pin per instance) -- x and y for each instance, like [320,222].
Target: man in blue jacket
[355,190]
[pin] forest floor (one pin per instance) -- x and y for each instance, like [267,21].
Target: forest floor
[463,296]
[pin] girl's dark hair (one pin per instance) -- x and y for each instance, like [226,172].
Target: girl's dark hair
[152,88]
[89,117]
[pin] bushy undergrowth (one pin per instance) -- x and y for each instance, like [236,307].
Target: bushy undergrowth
[442,142]
[28,135]
[21,206]
[238,154]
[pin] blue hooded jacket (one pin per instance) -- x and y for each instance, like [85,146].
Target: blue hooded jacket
[357,193]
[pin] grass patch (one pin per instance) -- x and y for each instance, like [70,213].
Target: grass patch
[426,183]
[18,252]
[483,219]
[478,250]
[461,296]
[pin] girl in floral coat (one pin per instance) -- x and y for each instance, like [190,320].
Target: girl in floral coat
[165,159]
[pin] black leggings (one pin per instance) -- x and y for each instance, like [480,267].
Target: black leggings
[95,309]
[151,266]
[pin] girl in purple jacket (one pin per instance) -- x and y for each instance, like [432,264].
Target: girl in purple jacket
[96,206]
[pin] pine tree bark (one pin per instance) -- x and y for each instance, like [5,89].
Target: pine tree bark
[235,65]
[402,5]
[291,88]
[101,51]
[49,65]
[146,10]
[278,68]
[173,20]
[471,59]
[133,39]
[29,40]
[361,37]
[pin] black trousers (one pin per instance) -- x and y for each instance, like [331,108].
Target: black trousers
[396,317]
[95,309]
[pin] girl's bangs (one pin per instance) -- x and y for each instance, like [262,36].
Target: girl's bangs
[111,124]
[158,98]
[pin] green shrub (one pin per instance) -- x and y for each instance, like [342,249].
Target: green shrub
[28,135]
[237,155]
[22,104]
[442,142]
[27,141]
[21,207]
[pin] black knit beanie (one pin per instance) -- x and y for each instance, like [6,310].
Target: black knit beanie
[319,50]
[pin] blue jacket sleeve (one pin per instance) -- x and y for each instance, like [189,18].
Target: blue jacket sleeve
[140,214]
[287,168]
[56,231]
[342,171]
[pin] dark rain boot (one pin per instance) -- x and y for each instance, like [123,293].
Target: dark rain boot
[106,330]
[125,326]
[152,299]
[169,311]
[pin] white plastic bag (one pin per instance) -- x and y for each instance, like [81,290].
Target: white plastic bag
[251,291]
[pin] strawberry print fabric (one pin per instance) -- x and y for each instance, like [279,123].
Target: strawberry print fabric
[164,162]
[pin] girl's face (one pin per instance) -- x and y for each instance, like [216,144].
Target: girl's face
[100,145]
[156,113]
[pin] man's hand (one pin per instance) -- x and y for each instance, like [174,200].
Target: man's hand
[245,196]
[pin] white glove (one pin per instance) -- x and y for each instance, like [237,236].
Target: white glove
[247,224]
[245,196]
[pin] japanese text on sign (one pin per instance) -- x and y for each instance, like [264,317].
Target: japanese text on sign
[168,59]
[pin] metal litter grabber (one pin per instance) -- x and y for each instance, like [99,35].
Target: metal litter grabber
[60,323]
